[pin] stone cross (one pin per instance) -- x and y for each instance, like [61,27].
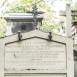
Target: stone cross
[35,13]
[70,14]
[68,19]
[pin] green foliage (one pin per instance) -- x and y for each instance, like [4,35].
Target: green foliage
[68,0]
[2,27]
[24,5]
[74,7]
[21,6]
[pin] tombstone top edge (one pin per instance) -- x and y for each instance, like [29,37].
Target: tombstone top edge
[35,32]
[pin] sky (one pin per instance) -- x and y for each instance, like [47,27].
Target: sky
[2,8]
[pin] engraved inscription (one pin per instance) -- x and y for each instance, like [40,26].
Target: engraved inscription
[35,54]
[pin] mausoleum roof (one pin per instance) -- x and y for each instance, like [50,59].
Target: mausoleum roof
[23,16]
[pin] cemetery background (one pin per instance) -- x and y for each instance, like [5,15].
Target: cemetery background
[50,21]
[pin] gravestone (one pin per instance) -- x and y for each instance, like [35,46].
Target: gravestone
[36,56]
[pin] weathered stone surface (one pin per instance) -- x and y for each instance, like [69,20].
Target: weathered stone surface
[68,19]
[35,55]
[21,22]
[44,75]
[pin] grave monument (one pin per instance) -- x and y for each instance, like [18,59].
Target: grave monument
[36,54]
[23,22]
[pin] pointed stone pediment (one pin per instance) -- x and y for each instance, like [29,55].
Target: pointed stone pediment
[36,34]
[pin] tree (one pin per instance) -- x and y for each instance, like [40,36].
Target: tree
[23,5]
[2,27]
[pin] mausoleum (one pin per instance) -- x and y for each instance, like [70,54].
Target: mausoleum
[21,22]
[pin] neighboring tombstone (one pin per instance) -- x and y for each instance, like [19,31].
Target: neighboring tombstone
[21,22]
[75,63]
[74,36]
[74,31]
[36,56]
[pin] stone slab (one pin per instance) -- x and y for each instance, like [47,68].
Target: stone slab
[53,57]
[34,55]
[42,75]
